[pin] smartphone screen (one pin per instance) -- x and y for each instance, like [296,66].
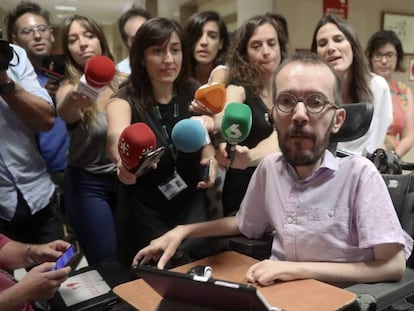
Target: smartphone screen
[66,258]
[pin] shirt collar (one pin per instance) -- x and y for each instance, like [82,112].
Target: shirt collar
[329,163]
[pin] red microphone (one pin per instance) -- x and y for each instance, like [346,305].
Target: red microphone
[99,72]
[136,147]
[213,96]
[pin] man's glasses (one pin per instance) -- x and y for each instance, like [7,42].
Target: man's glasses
[29,31]
[388,56]
[314,103]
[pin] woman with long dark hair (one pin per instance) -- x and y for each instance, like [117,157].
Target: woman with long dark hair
[336,41]
[207,35]
[158,93]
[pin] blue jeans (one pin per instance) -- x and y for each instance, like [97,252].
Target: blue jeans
[89,203]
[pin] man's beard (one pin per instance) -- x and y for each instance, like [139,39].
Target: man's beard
[297,156]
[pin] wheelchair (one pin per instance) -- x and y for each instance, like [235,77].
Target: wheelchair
[374,296]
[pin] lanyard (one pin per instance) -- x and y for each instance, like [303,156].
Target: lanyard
[164,131]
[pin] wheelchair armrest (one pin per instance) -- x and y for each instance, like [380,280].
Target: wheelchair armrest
[384,294]
[256,248]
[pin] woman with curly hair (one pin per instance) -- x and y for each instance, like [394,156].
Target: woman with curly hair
[258,47]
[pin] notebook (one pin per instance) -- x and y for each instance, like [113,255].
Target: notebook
[203,292]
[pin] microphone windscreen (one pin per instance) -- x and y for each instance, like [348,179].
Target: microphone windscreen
[99,71]
[134,142]
[236,123]
[189,135]
[213,96]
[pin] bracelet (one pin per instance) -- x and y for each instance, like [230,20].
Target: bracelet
[28,255]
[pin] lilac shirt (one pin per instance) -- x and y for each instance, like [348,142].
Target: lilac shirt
[338,214]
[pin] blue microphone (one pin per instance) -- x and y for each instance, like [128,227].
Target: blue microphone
[189,135]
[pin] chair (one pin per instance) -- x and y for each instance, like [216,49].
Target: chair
[377,296]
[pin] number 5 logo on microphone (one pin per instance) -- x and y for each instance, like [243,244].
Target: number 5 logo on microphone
[233,131]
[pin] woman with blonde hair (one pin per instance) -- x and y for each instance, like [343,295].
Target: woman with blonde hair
[90,178]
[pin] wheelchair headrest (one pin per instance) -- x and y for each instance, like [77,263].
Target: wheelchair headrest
[357,121]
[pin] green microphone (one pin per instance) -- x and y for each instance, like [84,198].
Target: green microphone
[235,125]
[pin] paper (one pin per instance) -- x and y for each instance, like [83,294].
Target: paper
[82,287]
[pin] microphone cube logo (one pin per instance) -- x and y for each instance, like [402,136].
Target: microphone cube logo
[129,155]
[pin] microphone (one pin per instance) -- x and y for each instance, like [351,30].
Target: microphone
[136,147]
[212,96]
[235,125]
[189,135]
[99,71]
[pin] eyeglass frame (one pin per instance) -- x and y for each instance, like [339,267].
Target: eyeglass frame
[30,31]
[377,56]
[304,101]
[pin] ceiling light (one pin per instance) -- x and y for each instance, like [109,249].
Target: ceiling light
[61,16]
[65,8]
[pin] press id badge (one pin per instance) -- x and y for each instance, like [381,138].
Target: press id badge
[173,186]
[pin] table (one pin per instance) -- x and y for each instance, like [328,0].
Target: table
[296,295]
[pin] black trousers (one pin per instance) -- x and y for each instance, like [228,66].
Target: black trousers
[42,227]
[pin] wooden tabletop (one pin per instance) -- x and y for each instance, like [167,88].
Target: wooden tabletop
[297,295]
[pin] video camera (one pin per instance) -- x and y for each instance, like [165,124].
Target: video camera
[6,54]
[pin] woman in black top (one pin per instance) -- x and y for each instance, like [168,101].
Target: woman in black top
[258,47]
[157,93]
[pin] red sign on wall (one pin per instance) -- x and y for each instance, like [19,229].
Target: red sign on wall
[338,7]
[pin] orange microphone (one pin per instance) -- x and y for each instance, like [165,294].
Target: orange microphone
[212,96]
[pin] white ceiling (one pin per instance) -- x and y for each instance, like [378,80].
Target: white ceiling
[105,12]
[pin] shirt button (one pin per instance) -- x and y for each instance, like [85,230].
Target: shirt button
[290,220]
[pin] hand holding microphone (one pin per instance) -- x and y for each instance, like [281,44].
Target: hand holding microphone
[137,148]
[210,99]
[190,135]
[235,126]
[99,72]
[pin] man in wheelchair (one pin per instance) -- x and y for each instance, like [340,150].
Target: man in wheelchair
[333,218]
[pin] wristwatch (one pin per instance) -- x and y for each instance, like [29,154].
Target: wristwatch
[7,88]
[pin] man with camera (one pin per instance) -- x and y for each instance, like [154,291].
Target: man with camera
[27,211]
[28,25]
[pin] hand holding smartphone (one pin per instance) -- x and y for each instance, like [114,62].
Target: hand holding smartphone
[148,161]
[66,258]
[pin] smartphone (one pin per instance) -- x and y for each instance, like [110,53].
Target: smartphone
[148,161]
[53,67]
[66,258]
[206,170]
